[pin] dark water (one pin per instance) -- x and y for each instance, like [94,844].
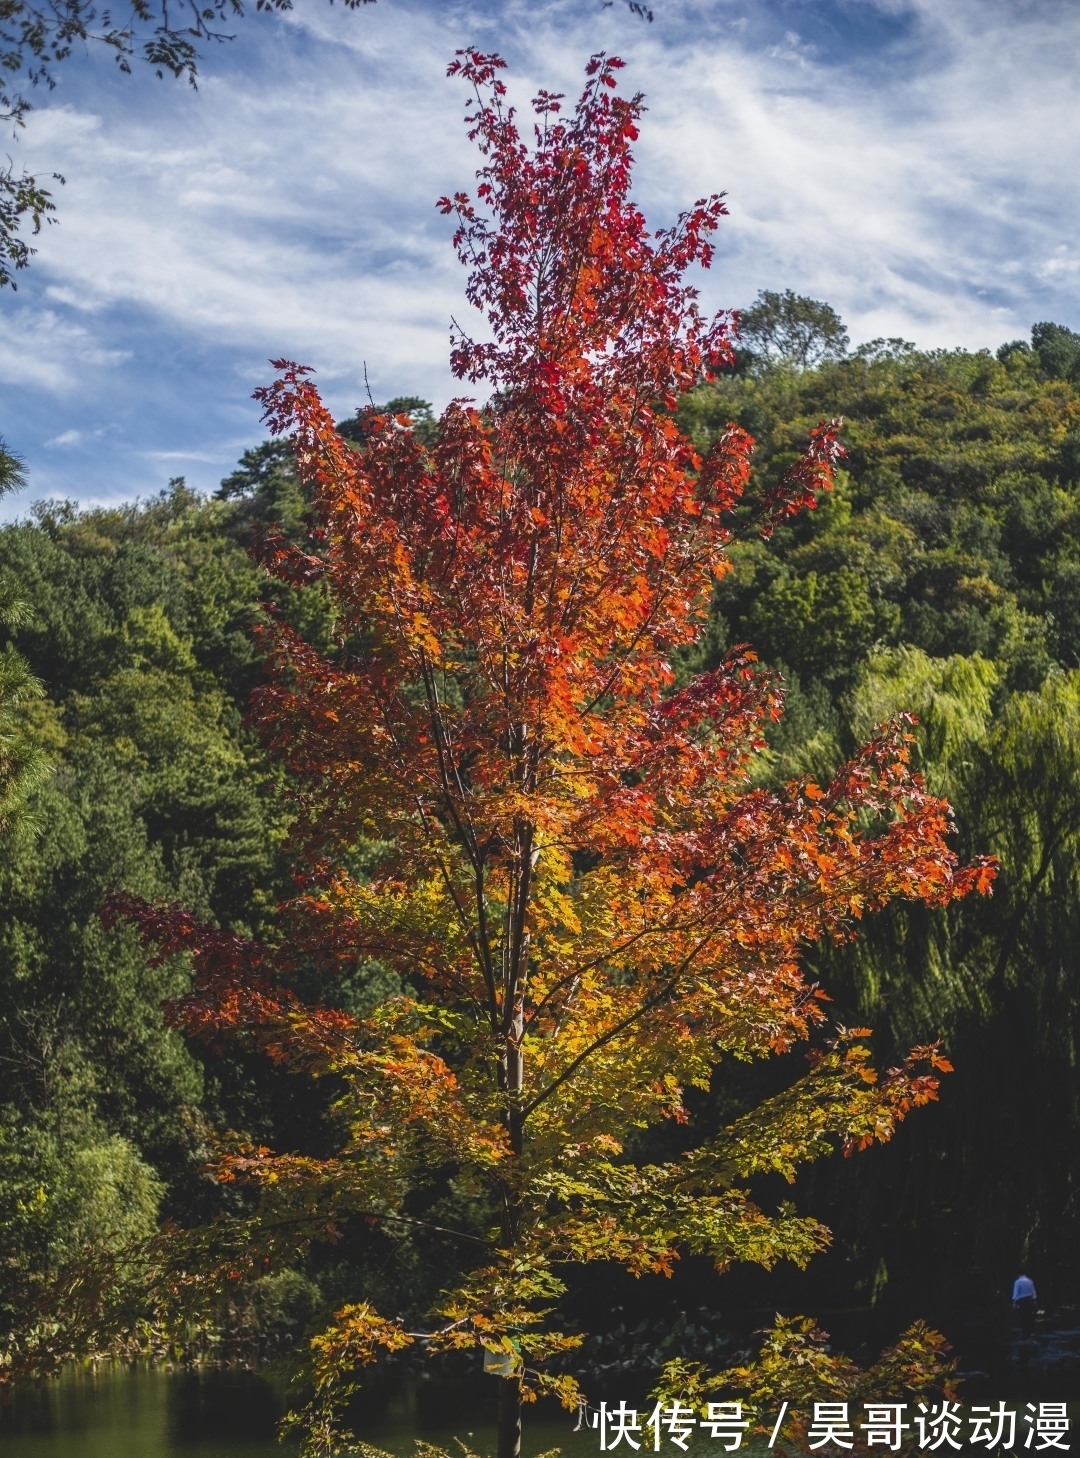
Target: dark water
[116,1412]
[120,1412]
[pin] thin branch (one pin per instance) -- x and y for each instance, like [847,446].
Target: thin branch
[620,1027]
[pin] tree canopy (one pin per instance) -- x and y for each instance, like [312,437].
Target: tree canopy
[790,329]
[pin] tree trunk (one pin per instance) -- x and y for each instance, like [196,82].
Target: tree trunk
[513,1080]
[509,1417]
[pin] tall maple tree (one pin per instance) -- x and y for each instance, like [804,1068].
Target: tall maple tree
[590,903]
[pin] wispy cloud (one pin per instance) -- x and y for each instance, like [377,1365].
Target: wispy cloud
[198,457]
[909,161]
[43,349]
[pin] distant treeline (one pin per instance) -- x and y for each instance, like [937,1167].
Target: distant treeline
[942,576]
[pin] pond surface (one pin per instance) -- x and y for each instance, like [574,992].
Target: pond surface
[121,1412]
[117,1412]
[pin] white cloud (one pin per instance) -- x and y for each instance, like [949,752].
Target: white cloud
[205,458]
[40,348]
[73,299]
[297,220]
[1064,264]
[904,203]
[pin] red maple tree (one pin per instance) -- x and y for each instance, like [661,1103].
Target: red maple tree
[589,902]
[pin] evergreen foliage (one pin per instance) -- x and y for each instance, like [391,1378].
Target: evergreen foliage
[123,702]
[139,630]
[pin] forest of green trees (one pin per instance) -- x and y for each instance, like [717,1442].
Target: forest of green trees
[941,576]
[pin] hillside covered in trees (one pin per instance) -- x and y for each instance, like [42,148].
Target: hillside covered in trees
[942,576]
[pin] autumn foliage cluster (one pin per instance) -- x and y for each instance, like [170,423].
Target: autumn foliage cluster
[589,900]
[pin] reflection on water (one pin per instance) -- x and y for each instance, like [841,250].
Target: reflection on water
[115,1412]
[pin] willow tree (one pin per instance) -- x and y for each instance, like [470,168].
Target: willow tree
[590,906]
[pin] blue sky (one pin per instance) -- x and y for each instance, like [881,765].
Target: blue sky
[914,162]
